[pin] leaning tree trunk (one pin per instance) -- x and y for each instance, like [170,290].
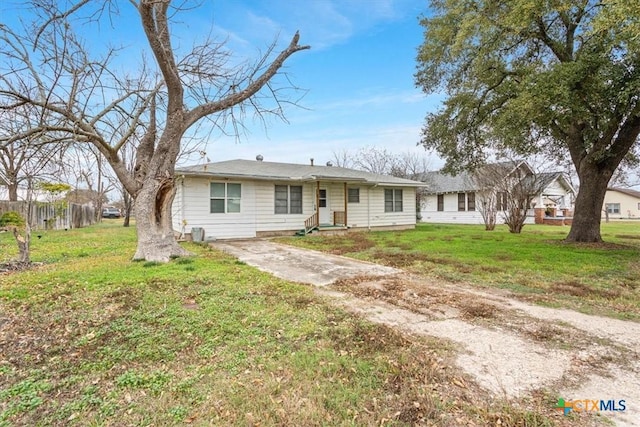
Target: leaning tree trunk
[156,240]
[152,207]
[587,214]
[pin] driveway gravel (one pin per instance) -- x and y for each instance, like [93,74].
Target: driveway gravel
[511,348]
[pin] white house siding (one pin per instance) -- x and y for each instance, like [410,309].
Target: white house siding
[380,218]
[193,205]
[629,205]
[357,213]
[335,190]
[257,208]
[451,214]
[177,210]
[266,218]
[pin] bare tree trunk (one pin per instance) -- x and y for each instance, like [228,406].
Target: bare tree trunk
[587,215]
[127,199]
[515,218]
[13,191]
[23,244]
[488,209]
[156,241]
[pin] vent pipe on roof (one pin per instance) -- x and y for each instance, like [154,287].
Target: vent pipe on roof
[259,157]
[329,163]
[311,161]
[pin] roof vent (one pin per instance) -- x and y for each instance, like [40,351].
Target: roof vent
[259,157]
[329,163]
[311,161]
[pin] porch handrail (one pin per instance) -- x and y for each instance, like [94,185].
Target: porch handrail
[312,222]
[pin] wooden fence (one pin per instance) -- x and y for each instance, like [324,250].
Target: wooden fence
[51,216]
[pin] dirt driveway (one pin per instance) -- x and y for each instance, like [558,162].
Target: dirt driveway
[509,347]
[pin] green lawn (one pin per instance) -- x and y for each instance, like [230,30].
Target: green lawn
[536,265]
[90,338]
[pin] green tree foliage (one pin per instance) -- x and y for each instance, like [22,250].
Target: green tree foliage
[13,219]
[560,78]
[54,188]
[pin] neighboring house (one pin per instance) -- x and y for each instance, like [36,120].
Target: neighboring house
[621,203]
[246,198]
[23,194]
[459,198]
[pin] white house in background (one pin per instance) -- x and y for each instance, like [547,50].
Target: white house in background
[621,203]
[35,195]
[457,199]
[246,198]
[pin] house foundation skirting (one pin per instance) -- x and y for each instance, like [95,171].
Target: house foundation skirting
[335,231]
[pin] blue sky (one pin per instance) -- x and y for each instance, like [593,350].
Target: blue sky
[358,75]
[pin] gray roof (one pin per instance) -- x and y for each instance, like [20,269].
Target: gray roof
[545,179]
[627,191]
[440,182]
[272,171]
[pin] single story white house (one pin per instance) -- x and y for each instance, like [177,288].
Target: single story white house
[458,198]
[245,198]
[621,203]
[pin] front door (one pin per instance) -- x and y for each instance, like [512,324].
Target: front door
[324,216]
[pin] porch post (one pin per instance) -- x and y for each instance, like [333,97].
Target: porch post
[345,204]
[318,199]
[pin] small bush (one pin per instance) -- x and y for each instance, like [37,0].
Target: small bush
[12,218]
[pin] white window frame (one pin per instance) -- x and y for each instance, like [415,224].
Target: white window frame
[396,201]
[227,199]
[613,208]
[288,206]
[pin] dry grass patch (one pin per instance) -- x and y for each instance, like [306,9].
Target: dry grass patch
[578,289]
[471,309]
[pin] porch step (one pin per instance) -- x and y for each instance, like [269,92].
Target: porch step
[304,231]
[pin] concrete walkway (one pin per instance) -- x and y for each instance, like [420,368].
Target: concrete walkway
[300,265]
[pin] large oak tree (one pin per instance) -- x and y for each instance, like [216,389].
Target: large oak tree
[560,78]
[89,101]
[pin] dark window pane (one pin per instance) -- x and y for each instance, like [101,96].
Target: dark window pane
[233,191]
[388,196]
[281,199]
[461,202]
[398,200]
[295,192]
[322,198]
[217,190]
[233,205]
[353,195]
[217,205]
[440,202]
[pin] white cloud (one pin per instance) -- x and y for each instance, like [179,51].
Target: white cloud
[384,99]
